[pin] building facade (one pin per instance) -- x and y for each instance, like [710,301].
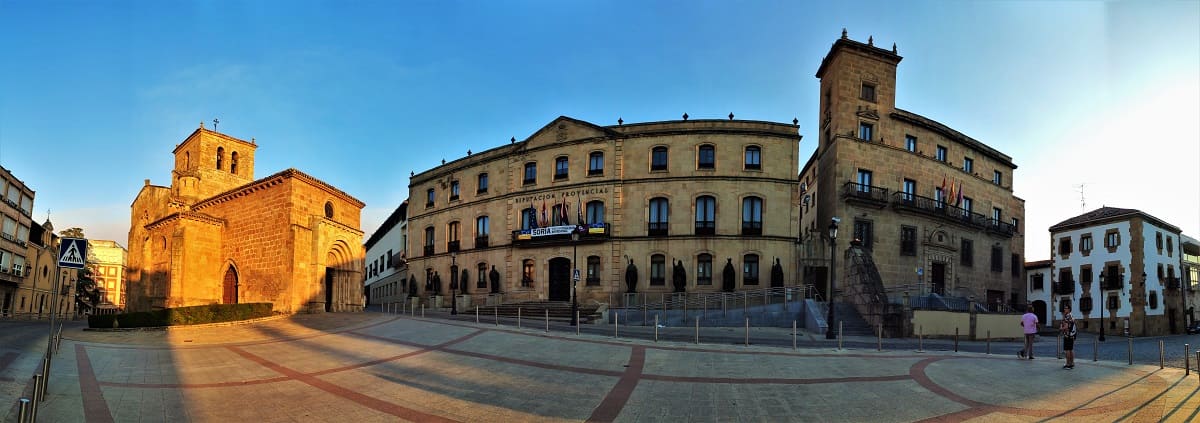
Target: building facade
[386,266]
[621,203]
[935,207]
[16,204]
[1119,268]
[1039,289]
[1190,266]
[218,235]
[106,260]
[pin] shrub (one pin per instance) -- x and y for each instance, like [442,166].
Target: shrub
[194,315]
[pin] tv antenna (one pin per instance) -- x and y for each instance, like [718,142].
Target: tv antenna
[1082,199]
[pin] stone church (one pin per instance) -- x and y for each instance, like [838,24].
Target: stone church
[218,235]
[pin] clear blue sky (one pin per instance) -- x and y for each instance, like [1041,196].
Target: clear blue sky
[95,95]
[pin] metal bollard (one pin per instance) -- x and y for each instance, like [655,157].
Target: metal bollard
[1058,352]
[839,335]
[23,411]
[747,331]
[616,317]
[422,310]
[920,338]
[1162,359]
[477,315]
[1197,362]
[655,328]
[793,334]
[956,339]
[697,330]
[1187,367]
[547,319]
[704,306]
[1096,350]
[577,323]
[518,317]
[645,315]
[1130,338]
[989,342]
[496,314]
[879,337]
[45,377]
[37,390]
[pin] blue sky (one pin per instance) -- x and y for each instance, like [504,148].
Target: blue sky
[95,95]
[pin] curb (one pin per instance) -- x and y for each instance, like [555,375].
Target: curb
[200,326]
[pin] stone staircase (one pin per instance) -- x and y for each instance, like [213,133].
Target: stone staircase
[559,311]
[852,322]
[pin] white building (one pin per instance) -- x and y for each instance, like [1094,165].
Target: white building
[1120,265]
[1038,278]
[385,266]
[1191,276]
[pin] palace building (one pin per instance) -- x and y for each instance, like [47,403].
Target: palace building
[218,235]
[701,194]
[934,207]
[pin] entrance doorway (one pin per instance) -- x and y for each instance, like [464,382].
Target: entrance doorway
[560,279]
[230,287]
[329,289]
[1039,309]
[1171,320]
[939,278]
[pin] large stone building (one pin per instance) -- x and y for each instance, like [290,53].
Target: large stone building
[702,194]
[935,207]
[386,266]
[1132,277]
[106,260]
[16,204]
[217,235]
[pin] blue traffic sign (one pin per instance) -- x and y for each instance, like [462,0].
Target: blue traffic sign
[72,253]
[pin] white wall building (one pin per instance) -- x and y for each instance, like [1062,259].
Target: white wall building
[385,266]
[1119,265]
[1038,279]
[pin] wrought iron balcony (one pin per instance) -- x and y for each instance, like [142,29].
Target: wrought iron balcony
[706,228]
[428,250]
[1002,228]
[867,194]
[1112,282]
[481,242]
[1066,287]
[656,229]
[453,246]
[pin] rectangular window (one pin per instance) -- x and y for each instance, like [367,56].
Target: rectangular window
[706,221]
[595,212]
[967,205]
[968,165]
[1085,243]
[528,216]
[750,269]
[910,143]
[527,273]
[658,270]
[997,258]
[560,168]
[1015,222]
[1014,264]
[430,195]
[482,184]
[704,269]
[939,198]
[967,253]
[864,180]
[453,190]
[865,130]
[658,158]
[706,157]
[1039,282]
[752,209]
[908,241]
[1064,246]
[863,232]
[910,190]
[429,241]
[753,158]
[596,163]
[1085,274]
[997,177]
[593,271]
[1112,239]
[867,92]
[941,153]
[995,215]
[658,217]
[530,174]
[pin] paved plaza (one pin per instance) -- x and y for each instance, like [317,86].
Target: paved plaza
[367,367]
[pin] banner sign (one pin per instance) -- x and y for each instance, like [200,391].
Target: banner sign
[595,228]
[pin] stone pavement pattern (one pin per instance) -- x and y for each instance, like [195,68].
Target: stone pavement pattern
[369,367]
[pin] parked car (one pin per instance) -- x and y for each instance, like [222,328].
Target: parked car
[1194,328]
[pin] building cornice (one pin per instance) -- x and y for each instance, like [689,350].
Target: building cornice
[846,44]
[185,215]
[271,181]
[935,126]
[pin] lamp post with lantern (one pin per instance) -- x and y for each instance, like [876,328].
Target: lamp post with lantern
[833,228]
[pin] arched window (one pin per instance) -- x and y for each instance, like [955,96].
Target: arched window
[482,231]
[706,157]
[328,210]
[658,217]
[753,158]
[658,269]
[593,270]
[752,219]
[706,215]
[429,241]
[704,269]
[233,161]
[658,158]
[750,269]
[595,212]
[595,163]
[220,157]
[452,243]
[527,273]
[430,195]
[481,281]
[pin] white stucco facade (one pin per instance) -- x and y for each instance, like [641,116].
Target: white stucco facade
[385,264]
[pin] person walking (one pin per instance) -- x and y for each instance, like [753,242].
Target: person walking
[1029,324]
[1068,333]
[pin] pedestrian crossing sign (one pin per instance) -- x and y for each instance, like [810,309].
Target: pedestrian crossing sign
[72,253]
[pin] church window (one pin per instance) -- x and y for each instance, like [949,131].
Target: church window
[220,157]
[233,162]
[328,210]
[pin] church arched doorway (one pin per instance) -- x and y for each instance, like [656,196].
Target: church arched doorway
[229,286]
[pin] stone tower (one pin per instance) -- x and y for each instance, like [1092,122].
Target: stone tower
[858,83]
[208,163]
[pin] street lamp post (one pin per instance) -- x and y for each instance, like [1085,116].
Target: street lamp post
[574,277]
[833,228]
[454,284]
[1103,286]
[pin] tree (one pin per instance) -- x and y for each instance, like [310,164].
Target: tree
[72,233]
[87,294]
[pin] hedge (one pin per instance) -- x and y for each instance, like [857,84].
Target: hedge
[194,315]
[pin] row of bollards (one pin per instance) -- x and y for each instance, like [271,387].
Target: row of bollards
[27,408]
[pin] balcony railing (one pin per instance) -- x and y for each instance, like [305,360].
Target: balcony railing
[1002,228]
[751,228]
[1112,282]
[656,229]
[428,250]
[1066,287]
[481,242]
[865,193]
[940,209]
[452,246]
[706,228]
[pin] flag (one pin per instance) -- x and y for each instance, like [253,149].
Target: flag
[562,212]
[533,223]
[943,189]
[958,202]
[949,195]
[578,211]
[544,221]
